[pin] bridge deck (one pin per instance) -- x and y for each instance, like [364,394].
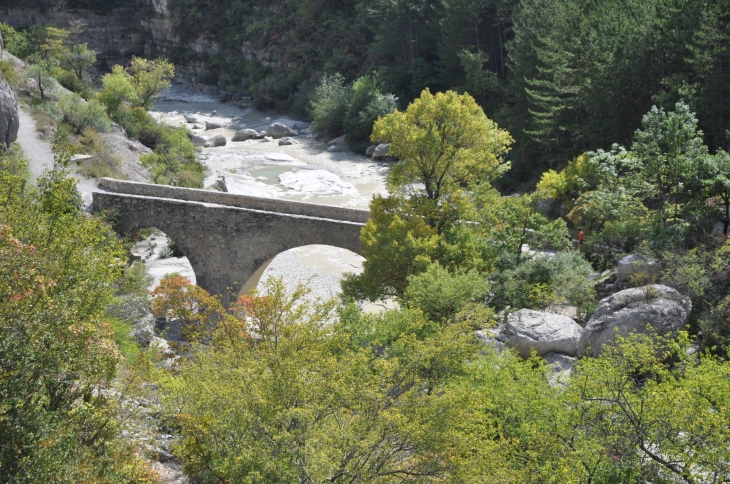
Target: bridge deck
[231,200]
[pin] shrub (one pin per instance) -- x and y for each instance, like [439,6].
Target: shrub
[368,104]
[69,80]
[329,106]
[543,282]
[82,114]
[8,72]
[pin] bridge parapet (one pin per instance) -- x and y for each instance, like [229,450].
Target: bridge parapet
[232,200]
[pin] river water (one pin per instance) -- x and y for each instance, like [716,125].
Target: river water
[306,171]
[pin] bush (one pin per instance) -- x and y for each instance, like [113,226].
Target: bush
[82,114]
[368,104]
[16,42]
[329,107]
[171,250]
[8,72]
[543,282]
[69,80]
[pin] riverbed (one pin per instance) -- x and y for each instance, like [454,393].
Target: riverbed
[309,171]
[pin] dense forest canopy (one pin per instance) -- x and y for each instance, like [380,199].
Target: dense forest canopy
[563,76]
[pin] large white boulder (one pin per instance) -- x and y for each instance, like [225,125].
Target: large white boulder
[245,134]
[279,130]
[630,311]
[381,151]
[198,140]
[216,141]
[528,330]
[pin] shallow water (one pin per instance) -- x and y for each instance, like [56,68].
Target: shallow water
[306,171]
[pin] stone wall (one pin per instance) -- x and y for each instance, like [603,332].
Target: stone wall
[225,244]
[229,199]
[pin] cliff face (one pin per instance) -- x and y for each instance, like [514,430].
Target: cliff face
[9,122]
[115,36]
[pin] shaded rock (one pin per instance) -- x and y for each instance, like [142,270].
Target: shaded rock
[9,121]
[198,140]
[636,265]
[370,150]
[245,134]
[334,149]
[561,366]
[218,140]
[287,141]
[630,310]
[198,126]
[544,332]
[305,131]
[279,130]
[194,118]
[221,185]
[381,151]
[342,140]
[267,139]
[214,125]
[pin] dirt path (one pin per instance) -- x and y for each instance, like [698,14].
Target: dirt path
[40,155]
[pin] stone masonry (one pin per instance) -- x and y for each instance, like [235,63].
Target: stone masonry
[226,243]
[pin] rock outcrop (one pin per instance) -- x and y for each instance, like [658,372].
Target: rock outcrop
[630,311]
[9,121]
[528,330]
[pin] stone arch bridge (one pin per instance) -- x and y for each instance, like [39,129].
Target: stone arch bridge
[227,237]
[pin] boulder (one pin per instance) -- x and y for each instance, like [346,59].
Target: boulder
[381,151]
[544,332]
[305,131]
[561,366]
[9,121]
[244,134]
[214,125]
[218,140]
[630,311]
[267,139]
[287,141]
[279,130]
[334,149]
[194,118]
[636,265]
[198,140]
[198,126]
[342,140]
[370,150]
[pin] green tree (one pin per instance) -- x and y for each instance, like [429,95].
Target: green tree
[117,90]
[149,77]
[329,104]
[58,358]
[668,150]
[40,72]
[78,59]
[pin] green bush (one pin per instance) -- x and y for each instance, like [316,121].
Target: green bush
[8,72]
[545,281]
[70,81]
[82,114]
[329,106]
[367,105]
[15,42]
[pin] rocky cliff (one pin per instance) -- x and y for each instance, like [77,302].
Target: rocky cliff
[9,122]
[115,36]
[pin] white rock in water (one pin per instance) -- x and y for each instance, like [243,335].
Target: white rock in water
[267,139]
[317,181]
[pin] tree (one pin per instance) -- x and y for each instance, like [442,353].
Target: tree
[328,106]
[298,399]
[668,149]
[40,71]
[445,142]
[715,172]
[117,89]
[149,77]
[57,272]
[78,58]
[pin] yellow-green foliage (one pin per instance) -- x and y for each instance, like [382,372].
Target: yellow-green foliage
[57,268]
[580,175]
[444,141]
